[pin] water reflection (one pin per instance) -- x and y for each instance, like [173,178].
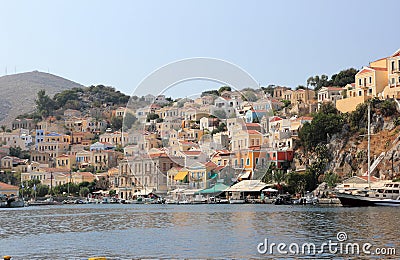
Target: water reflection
[183,231]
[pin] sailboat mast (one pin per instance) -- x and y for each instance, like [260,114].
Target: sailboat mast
[369,144]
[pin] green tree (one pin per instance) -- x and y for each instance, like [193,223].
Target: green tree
[318,166]
[222,127]
[129,120]
[84,191]
[41,190]
[44,104]
[331,179]
[388,108]
[223,88]
[344,77]
[249,96]
[327,122]
[286,102]
[318,82]
[15,151]
[220,114]
[116,123]
[152,116]
[210,93]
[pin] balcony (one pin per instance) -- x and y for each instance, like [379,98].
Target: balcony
[396,71]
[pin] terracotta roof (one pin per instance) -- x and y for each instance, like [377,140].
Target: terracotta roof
[211,164]
[157,155]
[253,124]
[5,186]
[397,53]
[219,167]
[192,152]
[253,132]
[275,118]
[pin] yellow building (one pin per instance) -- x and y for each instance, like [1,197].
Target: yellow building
[370,82]
[79,177]
[302,96]
[65,161]
[392,90]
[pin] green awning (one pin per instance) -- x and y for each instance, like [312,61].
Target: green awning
[214,175]
[216,189]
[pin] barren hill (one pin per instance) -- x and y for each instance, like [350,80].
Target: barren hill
[18,92]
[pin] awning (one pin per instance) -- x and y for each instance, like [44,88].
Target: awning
[217,188]
[248,186]
[142,193]
[245,175]
[181,175]
[179,190]
[270,190]
[191,191]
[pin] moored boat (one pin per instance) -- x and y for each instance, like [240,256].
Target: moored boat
[388,195]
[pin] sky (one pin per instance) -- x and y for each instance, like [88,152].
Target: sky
[119,43]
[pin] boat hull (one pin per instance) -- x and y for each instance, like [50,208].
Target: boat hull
[349,200]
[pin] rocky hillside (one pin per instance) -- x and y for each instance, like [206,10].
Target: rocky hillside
[350,154]
[18,92]
[344,150]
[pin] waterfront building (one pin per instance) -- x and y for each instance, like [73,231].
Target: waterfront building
[329,94]
[8,189]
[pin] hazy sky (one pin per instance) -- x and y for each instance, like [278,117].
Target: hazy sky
[118,43]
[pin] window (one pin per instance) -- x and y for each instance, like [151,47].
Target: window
[370,91]
[248,161]
[392,66]
[370,80]
[359,93]
[359,82]
[392,80]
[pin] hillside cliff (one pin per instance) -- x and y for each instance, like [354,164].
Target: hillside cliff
[18,92]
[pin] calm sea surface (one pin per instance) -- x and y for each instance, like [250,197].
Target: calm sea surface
[189,231]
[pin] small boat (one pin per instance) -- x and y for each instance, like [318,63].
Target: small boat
[236,201]
[222,201]
[46,202]
[13,202]
[283,199]
[199,199]
[184,202]
[16,203]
